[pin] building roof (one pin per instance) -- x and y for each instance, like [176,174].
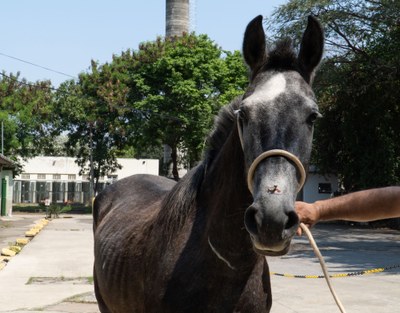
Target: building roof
[50,165]
[4,161]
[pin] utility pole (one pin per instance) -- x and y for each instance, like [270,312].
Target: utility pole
[91,178]
[2,138]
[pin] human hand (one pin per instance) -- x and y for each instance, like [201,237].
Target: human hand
[308,214]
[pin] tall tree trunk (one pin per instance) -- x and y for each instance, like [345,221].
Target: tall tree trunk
[174,157]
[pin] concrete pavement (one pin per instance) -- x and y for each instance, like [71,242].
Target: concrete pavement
[346,249]
[53,272]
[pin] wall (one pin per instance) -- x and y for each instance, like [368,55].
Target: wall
[57,179]
[313,190]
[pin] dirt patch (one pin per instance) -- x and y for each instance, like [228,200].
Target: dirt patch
[82,303]
[60,280]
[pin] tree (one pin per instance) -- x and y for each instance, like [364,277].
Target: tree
[176,86]
[27,115]
[87,112]
[166,92]
[357,86]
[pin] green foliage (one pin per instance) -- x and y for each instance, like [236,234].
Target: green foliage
[54,210]
[166,92]
[176,86]
[358,87]
[27,113]
[350,25]
[92,124]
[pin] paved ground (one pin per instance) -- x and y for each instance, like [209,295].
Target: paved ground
[53,272]
[346,249]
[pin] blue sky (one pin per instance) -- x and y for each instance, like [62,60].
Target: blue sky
[65,35]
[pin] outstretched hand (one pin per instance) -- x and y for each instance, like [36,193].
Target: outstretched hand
[308,214]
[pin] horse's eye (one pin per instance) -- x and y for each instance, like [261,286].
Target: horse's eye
[313,117]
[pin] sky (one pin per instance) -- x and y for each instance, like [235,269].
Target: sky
[65,35]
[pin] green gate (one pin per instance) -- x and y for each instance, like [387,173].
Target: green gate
[3,196]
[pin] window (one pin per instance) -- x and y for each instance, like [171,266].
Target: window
[26,191]
[42,192]
[324,188]
[41,176]
[72,177]
[58,190]
[56,176]
[25,176]
[112,178]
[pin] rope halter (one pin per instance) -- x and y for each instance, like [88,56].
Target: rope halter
[267,154]
[276,152]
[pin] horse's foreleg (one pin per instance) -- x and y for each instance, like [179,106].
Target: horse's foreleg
[256,296]
[266,281]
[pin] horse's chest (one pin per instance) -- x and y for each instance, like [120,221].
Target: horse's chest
[201,287]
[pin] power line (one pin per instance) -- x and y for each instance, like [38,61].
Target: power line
[28,84]
[37,65]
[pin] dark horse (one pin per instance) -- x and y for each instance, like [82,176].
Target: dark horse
[199,245]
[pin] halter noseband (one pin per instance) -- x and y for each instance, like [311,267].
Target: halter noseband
[267,154]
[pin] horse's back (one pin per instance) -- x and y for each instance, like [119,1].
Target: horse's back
[136,192]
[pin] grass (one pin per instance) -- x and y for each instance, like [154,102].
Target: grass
[5,225]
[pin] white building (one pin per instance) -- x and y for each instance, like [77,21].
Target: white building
[318,187]
[57,179]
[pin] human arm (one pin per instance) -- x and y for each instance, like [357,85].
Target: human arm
[361,206]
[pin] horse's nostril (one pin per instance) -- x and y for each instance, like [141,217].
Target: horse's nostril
[293,220]
[250,220]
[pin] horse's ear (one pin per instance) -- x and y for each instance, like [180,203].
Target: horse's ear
[254,44]
[311,48]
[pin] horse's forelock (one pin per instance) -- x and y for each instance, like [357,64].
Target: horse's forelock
[281,58]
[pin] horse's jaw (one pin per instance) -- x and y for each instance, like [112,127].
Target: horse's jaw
[271,251]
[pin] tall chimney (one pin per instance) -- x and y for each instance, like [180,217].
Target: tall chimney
[177,17]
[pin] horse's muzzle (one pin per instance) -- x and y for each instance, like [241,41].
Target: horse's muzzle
[271,232]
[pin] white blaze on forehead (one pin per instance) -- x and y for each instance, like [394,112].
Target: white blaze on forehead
[270,90]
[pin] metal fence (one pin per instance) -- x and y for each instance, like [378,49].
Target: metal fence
[33,192]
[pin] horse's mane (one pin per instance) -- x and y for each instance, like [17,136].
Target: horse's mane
[181,200]
[223,124]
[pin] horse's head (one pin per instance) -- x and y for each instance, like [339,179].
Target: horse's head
[275,123]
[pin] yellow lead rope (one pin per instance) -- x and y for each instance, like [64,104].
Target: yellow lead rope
[323,266]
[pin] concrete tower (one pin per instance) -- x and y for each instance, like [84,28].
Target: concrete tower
[177,17]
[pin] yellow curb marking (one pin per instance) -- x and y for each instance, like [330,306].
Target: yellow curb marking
[11,251]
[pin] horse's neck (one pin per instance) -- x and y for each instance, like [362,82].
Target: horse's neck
[225,197]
